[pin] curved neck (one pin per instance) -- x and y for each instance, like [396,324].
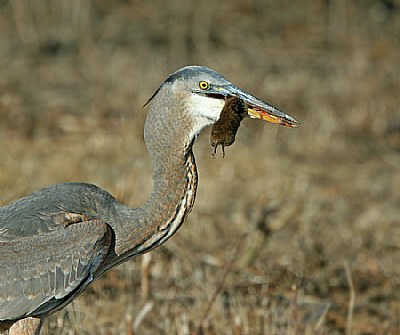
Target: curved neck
[174,192]
[172,199]
[169,137]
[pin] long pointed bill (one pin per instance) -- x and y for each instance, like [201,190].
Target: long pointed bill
[256,108]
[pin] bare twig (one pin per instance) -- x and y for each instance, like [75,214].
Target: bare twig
[219,286]
[141,315]
[293,323]
[349,328]
[129,322]
[146,276]
[237,325]
[322,318]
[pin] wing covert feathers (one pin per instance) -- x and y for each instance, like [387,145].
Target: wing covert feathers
[38,269]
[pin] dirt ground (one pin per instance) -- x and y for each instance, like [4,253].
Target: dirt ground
[295,231]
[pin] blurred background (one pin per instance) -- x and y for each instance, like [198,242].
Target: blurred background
[295,231]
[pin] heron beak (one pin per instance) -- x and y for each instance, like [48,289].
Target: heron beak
[258,109]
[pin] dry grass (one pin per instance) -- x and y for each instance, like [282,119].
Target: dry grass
[295,231]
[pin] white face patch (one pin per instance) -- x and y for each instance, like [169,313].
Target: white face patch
[205,111]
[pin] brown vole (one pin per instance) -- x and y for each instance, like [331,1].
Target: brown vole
[223,132]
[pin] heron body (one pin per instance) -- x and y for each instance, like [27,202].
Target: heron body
[56,241]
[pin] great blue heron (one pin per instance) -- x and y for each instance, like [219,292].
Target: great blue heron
[56,241]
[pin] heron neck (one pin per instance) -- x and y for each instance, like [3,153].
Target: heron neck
[173,195]
[172,198]
[174,187]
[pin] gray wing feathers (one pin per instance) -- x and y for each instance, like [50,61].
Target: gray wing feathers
[38,269]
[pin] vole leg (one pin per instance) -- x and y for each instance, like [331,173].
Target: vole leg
[214,151]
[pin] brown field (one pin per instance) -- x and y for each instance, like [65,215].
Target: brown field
[296,231]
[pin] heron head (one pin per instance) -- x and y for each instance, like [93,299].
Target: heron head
[204,91]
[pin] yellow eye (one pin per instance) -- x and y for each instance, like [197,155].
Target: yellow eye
[204,85]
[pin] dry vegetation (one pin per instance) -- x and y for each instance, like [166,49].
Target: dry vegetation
[296,231]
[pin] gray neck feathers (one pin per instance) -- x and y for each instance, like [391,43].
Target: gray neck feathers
[168,131]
